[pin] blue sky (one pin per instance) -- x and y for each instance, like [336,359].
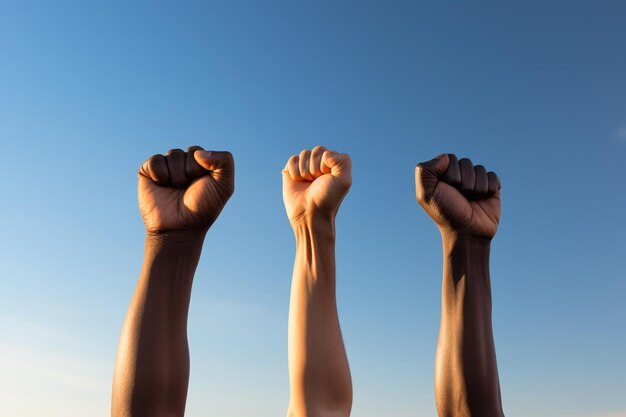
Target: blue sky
[534,91]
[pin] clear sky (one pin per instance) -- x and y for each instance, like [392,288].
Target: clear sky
[534,90]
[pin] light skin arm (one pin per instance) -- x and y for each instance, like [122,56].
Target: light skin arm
[464,202]
[314,184]
[180,196]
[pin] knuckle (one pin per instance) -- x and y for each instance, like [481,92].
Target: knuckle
[143,169]
[155,161]
[175,151]
[315,167]
[228,158]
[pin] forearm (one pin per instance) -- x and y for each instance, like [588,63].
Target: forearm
[152,366]
[318,367]
[466,374]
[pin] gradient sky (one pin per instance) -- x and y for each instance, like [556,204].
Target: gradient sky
[534,90]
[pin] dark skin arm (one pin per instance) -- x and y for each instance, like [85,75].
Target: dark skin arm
[464,202]
[180,196]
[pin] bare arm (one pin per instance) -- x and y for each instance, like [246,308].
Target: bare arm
[180,196]
[152,368]
[314,183]
[464,201]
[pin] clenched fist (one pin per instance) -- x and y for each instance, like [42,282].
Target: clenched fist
[461,198]
[185,191]
[315,182]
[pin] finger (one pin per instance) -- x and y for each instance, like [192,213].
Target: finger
[220,163]
[339,164]
[155,168]
[494,183]
[481,184]
[175,159]
[452,175]
[192,167]
[303,165]
[468,176]
[292,168]
[315,163]
[325,168]
[436,166]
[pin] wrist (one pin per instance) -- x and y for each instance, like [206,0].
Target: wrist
[169,265]
[172,254]
[466,258]
[455,239]
[465,251]
[315,250]
[319,226]
[178,240]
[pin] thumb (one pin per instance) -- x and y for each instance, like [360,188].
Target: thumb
[338,165]
[427,175]
[220,163]
[436,166]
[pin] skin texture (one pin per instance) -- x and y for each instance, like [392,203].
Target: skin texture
[314,184]
[180,196]
[464,202]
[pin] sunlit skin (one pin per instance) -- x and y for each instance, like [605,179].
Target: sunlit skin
[314,184]
[464,202]
[180,195]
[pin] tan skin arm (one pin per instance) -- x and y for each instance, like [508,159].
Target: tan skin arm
[314,184]
[464,202]
[180,196]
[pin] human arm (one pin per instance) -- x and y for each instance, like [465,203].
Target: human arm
[314,184]
[464,202]
[180,196]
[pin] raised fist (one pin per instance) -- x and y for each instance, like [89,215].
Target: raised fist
[185,191]
[461,198]
[315,182]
